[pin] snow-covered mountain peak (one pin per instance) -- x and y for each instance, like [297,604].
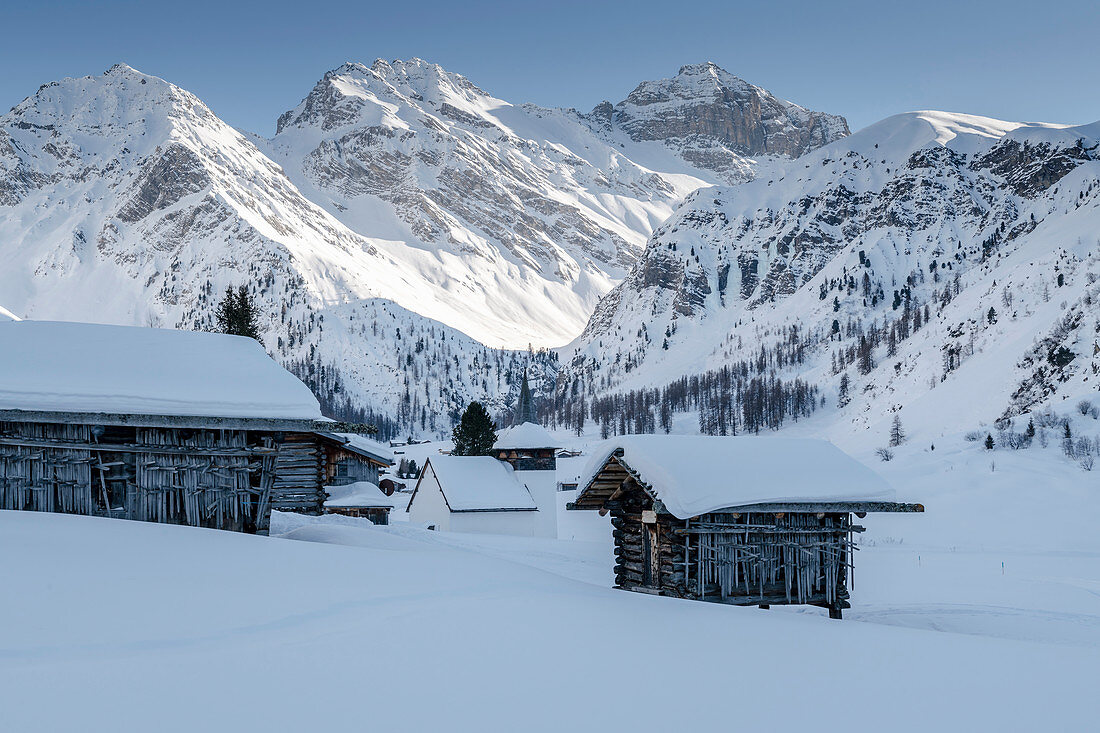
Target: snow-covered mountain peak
[720,122]
[354,93]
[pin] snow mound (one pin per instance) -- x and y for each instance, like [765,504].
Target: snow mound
[694,475]
[82,367]
[358,494]
[7,315]
[478,483]
[527,435]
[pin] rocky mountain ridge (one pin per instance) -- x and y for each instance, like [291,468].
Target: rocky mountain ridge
[986,227]
[416,209]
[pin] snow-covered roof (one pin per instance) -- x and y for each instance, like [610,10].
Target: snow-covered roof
[82,367]
[693,475]
[478,484]
[527,435]
[364,446]
[359,494]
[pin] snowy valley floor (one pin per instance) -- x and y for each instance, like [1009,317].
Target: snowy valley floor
[339,625]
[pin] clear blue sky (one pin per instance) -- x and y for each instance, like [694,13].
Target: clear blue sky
[250,61]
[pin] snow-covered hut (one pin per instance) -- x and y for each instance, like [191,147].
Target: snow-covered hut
[512,491]
[738,520]
[151,424]
[360,499]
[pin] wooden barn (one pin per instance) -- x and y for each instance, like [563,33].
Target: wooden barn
[744,521]
[157,425]
[351,458]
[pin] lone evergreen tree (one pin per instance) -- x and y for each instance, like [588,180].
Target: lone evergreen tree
[897,434]
[1030,428]
[989,441]
[474,434]
[236,314]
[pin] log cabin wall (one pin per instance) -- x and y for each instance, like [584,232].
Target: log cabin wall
[648,550]
[299,474]
[221,479]
[342,467]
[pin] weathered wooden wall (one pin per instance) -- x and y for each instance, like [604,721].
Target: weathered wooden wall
[299,474]
[38,477]
[206,478]
[745,559]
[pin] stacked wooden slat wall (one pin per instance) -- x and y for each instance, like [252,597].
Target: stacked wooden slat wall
[210,487]
[46,479]
[298,475]
[768,558]
[223,479]
[752,558]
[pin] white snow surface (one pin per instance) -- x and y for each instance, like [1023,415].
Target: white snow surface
[7,315]
[527,435]
[982,614]
[694,475]
[479,483]
[82,367]
[358,494]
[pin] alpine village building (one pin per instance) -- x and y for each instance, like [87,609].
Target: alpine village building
[737,520]
[512,491]
[158,425]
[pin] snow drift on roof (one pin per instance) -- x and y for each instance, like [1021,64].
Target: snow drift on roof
[359,494]
[527,435]
[693,475]
[82,367]
[479,483]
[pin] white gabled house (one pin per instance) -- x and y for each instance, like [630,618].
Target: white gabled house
[512,491]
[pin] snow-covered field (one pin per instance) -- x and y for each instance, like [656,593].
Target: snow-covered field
[982,614]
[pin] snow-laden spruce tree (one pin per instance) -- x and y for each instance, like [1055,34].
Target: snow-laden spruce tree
[474,435]
[237,314]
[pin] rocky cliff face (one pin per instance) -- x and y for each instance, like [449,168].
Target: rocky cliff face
[958,213]
[718,121]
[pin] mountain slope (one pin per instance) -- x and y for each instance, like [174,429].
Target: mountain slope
[416,204]
[125,200]
[943,214]
[548,206]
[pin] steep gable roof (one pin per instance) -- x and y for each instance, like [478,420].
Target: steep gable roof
[477,484]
